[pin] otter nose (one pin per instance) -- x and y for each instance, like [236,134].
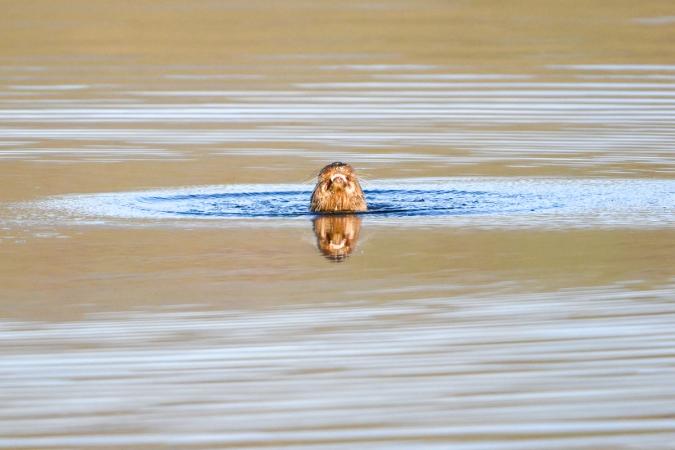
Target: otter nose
[338,177]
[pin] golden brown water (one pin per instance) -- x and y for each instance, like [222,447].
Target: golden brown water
[125,325]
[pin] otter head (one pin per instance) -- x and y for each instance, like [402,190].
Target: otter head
[338,190]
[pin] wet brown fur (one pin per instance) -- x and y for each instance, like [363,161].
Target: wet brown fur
[338,190]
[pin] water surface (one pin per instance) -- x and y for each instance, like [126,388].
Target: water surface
[480,202]
[163,284]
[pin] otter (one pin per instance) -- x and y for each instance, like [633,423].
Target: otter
[338,190]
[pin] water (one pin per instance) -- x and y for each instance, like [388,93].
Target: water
[489,202]
[163,284]
[309,368]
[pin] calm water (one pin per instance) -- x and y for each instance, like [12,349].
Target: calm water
[163,285]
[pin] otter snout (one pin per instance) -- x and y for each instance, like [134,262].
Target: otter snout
[338,178]
[338,181]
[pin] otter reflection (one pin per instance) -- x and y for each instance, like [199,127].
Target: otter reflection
[336,235]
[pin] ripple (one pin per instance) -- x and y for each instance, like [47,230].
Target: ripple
[485,202]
